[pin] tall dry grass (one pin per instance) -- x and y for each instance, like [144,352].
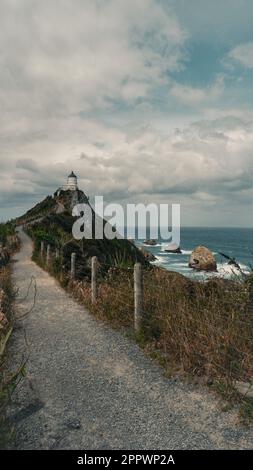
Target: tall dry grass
[6,325]
[205,328]
[200,328]
[197,329]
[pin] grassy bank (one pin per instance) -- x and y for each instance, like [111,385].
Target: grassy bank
[202,331]
[6,326]
[9,244]
[199,330]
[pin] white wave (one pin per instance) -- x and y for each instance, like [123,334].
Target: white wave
[224,270]
[159,260]
[189,252]
[179,265]
[147,245]
[182,268]
[163,253]
[230,270]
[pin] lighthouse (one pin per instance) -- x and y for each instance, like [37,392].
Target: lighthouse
[71,185]
[71,182]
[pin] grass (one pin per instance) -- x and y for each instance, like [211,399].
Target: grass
[204,328]
[6,326]
[8,381]
[246,411]
[6,230]
[195,329]
[200,330]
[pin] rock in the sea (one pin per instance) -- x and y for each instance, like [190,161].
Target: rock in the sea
[151,242]
[149,256]
[202,259]
[173,248]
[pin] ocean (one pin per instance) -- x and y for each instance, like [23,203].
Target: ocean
[234,242]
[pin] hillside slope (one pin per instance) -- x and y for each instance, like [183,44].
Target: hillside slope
[51,221]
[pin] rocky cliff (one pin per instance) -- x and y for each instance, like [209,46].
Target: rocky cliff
[51,220]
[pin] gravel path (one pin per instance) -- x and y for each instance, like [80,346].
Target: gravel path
[88,387]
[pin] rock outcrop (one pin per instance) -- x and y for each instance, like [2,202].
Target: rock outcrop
[149,256]
[51,221]
[202,259]
[173,248]
[151,242]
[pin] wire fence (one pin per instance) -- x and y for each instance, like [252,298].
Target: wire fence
[207,328]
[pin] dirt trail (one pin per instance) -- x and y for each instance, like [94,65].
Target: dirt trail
[88,387]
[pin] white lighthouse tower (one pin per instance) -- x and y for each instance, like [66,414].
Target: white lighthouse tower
[71,182]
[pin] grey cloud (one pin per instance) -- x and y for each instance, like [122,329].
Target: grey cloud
[69,70]
[178,163]
[27,164]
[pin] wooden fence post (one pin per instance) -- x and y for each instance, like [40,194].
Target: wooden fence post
[93,279]
[42,249]
[138,297]
[48,255]
[73,266]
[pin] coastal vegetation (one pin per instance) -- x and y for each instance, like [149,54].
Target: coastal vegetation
[9,243]
[53,225]
[198,330]
[201,330]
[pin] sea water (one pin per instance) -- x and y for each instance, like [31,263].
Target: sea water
[234,242]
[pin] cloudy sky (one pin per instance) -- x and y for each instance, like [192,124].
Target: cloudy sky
[146,100]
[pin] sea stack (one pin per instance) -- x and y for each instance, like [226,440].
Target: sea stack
[150,242]
[202,259]
[173,248]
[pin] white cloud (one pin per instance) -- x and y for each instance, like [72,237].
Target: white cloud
[73,56]
[243,55]
[65,63]
[193,96]
[69,69]
[207,164]
[204,156]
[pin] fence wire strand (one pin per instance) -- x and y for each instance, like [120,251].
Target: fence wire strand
[221,341]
